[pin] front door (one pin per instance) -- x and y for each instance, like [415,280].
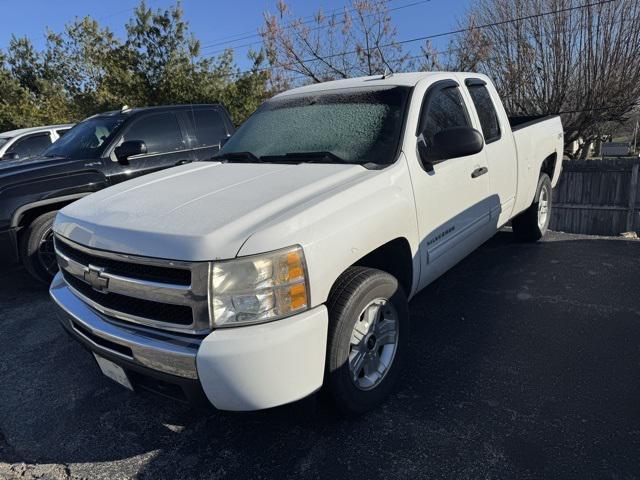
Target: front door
[166,146]
[452,197]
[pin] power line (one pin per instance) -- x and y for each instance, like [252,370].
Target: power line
[596,109]
[309,19]
[251,33]
[468,29]
[437,35]
[320,27]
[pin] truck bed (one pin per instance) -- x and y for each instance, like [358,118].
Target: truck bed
[523,121]
[537,138]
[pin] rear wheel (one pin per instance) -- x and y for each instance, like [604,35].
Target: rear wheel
[532,224]
[36,248]
[368,333]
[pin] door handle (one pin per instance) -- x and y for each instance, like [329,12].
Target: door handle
[182,162]
[479,172]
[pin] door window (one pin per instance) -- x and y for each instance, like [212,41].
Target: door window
[444,109]
[30,146]
[486,112]
[210,127]
[160,132]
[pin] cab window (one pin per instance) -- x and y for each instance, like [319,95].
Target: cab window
[486,112]
[160,132]
[209,126]
[444,109]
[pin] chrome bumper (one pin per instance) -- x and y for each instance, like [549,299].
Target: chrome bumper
[165,352]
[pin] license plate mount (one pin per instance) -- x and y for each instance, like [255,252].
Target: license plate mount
[114,372]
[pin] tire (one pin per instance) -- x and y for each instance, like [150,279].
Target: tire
[361,295]
[36,248]
[532,224]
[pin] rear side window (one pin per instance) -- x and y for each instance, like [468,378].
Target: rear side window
[31,146]
[445,109]
[486,112]
[160,132]
[210,127]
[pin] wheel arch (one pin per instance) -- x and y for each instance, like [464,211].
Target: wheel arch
[548,165]
[394,257]
[25,214]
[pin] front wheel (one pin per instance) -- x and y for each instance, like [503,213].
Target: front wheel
[368,333]
[36,248]
[532,224]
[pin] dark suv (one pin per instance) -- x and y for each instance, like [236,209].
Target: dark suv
[101,151]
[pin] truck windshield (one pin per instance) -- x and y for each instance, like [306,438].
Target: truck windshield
[87,139]
[356,126]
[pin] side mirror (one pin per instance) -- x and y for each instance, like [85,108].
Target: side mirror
[450,143]
[130,149]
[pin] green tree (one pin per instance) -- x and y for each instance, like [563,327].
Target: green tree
[87,69]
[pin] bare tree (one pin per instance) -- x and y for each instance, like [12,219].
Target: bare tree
[359,40]
[574,56]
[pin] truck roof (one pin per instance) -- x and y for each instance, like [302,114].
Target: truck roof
[134,110]
[396,79]
[22,131]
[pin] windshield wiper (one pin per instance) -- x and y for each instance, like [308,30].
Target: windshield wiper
[306,157]
[237,157]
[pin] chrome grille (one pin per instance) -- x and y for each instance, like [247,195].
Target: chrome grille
[164,294]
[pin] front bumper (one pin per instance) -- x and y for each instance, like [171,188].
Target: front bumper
[9,246]
[243,368]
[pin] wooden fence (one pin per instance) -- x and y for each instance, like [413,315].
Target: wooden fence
[597,197]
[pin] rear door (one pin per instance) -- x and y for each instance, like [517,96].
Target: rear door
[452,198]
[499,148]
[210,131]
[166,146]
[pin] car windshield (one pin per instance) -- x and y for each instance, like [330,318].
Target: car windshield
[4,140]
[87,139]
[356,126]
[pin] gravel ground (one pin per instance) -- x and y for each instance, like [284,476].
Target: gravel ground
[523,363]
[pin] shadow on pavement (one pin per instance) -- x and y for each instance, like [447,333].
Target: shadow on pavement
[523,363]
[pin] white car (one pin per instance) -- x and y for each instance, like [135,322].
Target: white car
[29,142]
[286,263]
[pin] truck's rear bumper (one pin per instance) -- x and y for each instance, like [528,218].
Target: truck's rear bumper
[9,246]
[244,368]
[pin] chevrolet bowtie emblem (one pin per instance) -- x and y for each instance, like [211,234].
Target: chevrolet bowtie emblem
[93,276]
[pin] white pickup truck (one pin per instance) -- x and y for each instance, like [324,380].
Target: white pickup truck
[286,263]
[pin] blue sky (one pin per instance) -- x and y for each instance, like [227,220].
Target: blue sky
[213,21]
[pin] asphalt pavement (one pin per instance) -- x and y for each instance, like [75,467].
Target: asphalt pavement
[524,362]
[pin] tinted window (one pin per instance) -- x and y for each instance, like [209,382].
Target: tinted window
[359,125]
[87,139]
[445,109]
[210,128]
[486,112]
[160,132]
[30,146]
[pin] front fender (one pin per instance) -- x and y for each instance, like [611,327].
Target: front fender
[343,225]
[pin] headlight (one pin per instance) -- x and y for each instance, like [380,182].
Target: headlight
[258,288]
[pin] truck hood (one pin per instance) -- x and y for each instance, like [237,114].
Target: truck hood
[198,212]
